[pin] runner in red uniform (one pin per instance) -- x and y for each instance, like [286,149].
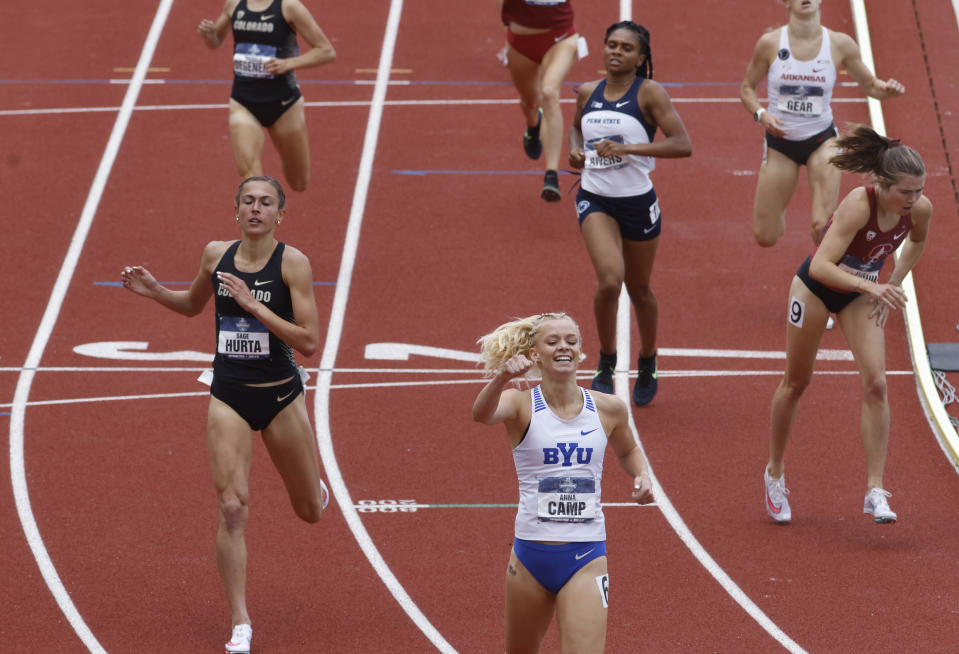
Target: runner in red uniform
[842,276]
[541,48]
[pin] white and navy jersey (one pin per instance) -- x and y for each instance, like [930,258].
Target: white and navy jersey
[620,121]
[800,92]
[559,466]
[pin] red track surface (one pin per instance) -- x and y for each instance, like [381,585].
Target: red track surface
[120,489]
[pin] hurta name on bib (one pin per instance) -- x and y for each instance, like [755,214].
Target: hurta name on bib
[566,499]
[243,338]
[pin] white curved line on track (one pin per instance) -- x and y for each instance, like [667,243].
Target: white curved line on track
[321,400]
[932,406]
[42,337]
[669,511]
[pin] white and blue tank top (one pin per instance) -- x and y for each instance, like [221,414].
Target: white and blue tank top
[559,467]
[620,121]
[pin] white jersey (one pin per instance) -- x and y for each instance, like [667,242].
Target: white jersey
[559,466]
[800,92]
[620,121]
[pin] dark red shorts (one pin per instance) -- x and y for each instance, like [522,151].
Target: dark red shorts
[535,46]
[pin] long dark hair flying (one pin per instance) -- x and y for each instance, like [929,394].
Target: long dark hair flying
[866,151]
[645,69]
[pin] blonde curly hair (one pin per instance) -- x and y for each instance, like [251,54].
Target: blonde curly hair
[515,337]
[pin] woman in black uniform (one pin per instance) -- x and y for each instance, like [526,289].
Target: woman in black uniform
[265,92]
[265,308]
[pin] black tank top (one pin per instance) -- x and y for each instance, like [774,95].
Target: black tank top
[257,37]
[246,351]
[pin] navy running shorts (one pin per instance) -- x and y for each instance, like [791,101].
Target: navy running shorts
[638,216]
[553,565]
[258,405]
[835,301]
[267,113]
[800,151]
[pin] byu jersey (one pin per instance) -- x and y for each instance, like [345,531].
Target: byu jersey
[620,121]
[800,92]
[559,466]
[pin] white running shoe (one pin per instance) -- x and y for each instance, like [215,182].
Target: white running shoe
[326,494]
[830,323]
[240,640]
[777,506]
[876,505]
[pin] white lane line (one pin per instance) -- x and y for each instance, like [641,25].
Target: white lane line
[47,323]
[669,511]
[441,382]
[321,400]
[932,406]
[346,103]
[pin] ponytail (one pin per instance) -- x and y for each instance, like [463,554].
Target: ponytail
[866,151]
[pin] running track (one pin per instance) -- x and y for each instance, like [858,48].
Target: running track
[117,481]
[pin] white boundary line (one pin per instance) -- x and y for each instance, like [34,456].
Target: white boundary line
[42,337]
[345,103]
[669,511]
[321,400]
[583,376]
[935,412]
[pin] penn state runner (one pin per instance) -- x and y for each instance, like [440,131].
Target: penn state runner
[558,433]
[265,92]
[265,308]
[611,139]
[800,62]
[842,276]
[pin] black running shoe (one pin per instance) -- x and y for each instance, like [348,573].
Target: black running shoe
[550,191]
[603,379]
[646,385]
[531,143]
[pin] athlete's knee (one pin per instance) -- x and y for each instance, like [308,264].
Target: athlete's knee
[767,237]
[298,183]
[549,95]
[608,286]
[767,229]
[641,294]
[234,512]
[874,389]
[793,387]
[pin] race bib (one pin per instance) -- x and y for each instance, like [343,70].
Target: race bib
[249,60]
[801,100]
[566,499]
[243,338]
[596,162]
[870,275]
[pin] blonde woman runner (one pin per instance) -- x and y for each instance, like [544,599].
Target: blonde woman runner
[558,433]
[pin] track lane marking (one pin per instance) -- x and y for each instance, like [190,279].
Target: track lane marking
[45,329]
[321,400]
